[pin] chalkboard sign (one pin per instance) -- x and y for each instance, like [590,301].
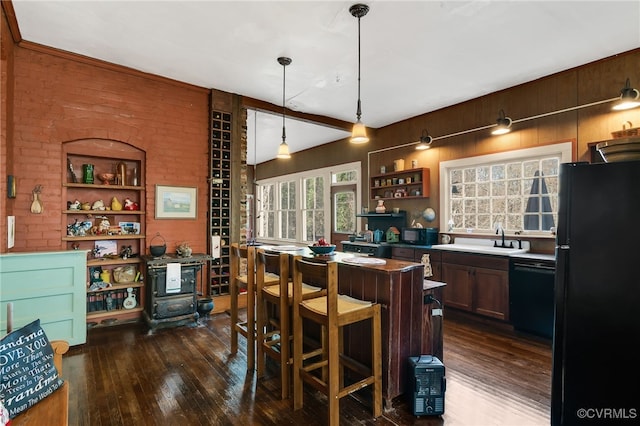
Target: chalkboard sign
[27,372]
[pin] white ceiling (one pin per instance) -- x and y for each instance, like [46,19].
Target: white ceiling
[417,56]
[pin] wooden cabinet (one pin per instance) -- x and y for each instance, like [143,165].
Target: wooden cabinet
[171,301]
[477,283]
[49,286]
[113,237]
[412,183]
[220,200]
[403,253]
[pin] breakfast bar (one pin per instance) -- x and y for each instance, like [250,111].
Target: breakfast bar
[398,287]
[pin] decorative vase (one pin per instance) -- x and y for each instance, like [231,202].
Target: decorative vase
[380,208]
[205,306]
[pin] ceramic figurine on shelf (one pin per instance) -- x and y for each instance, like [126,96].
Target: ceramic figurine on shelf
[104,225]
[98,205]
[184,250]
[115,204]
[380,208]
[131,205]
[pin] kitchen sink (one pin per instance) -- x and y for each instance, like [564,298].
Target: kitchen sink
[484,246]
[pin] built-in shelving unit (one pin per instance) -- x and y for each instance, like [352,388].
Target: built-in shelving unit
[411,183]
[122,229]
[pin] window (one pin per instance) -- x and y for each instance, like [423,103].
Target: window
[313,209]
[515,190]
[305,200]
[266,215]
[344,208]
[287,210]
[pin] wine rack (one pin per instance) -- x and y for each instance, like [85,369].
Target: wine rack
[220,199]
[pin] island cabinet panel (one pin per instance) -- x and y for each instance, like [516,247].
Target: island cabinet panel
[399,291]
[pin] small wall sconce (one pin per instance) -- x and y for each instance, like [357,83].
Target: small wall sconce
[629,98]
[11,186]
[503,125]
[425,141]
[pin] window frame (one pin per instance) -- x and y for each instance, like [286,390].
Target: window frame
[327,174]
[564,149]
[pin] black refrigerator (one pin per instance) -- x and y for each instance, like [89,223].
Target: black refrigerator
[596,363]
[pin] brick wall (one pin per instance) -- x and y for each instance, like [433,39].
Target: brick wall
[59,99]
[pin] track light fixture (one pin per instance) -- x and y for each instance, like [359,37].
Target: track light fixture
[359,132]
[629,98]
[283,149]
[503,124]
[425,141]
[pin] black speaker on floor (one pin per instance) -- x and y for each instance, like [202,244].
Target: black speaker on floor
[427,384]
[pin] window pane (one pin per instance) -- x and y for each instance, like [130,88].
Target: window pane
[345,211]
[342,177]
[309,195]
[291,222]
[271,225]
[319,193]
[308,226]
[319,224]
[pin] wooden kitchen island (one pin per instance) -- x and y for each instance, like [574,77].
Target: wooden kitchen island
[398,287]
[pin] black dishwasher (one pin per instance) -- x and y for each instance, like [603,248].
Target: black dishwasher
[531,294]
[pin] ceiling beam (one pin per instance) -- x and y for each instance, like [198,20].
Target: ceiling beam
[256,104]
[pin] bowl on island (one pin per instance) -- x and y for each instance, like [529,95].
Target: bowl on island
[323,249]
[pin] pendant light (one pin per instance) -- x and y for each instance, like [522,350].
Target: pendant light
[629,98]
[425,141]
[359,132]
[283,149]
[503,125]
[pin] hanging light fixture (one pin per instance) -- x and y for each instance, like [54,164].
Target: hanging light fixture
[503,125]
[425,141]
[359,132]
[283,149]
[629,98]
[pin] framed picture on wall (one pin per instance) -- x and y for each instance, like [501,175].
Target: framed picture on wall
[176,202]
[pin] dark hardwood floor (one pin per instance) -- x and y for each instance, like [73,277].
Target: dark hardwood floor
[126,375]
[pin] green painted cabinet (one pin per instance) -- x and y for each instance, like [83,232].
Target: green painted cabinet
[50,286]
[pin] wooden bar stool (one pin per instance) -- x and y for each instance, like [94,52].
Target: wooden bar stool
[273,316]
[243,279]
[324,368]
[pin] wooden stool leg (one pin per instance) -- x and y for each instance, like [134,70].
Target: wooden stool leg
[251,326]
[333,347]
[233,294]
[285,344]
[261,316]
[376,340]
[297,358]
